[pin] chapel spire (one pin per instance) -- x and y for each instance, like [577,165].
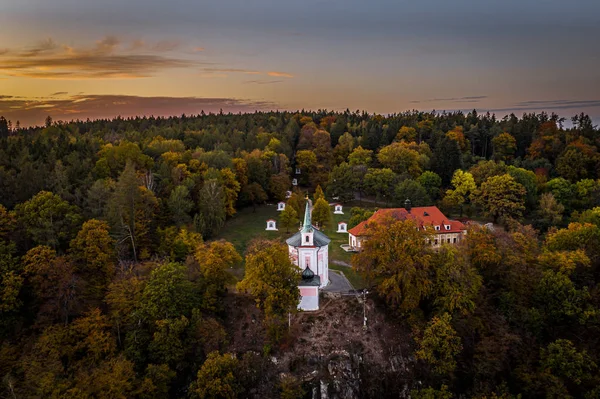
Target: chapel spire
[307,226]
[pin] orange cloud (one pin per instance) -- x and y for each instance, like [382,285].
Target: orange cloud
[280,74]
[106,59]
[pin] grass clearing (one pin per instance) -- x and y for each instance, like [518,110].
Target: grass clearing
[248,224]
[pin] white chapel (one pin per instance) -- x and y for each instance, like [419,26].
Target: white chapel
[309,249]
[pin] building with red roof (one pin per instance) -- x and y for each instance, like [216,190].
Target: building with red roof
[429,218]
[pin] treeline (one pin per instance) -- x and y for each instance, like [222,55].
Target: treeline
[106,261]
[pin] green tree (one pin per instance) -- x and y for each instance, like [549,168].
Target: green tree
[412,190]
[527,179]
[342,183]
[168,293]
[48,219]
[168,341]
[380,182]
[446,159]
[321,213]
[439,345]
[358,215]
[180,204]
[502,197]
[288,218]
[562,359]
[211,205]
[431,182]
[562,190]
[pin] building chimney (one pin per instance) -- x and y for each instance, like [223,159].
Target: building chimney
[407,205]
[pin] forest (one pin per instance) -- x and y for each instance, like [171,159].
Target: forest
[114,282]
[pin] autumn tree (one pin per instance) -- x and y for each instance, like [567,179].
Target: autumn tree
[272,279]
[502,198]
[306,160]
[254,194]
[132,209]
[216,378]
[505,147]
[400,158]
[321,213]
[464,188]
[319,194]
[214,262]
[406,133]
[550,212]
[93,252]
[483,170]
[396,258]
[440,345]
[456,282]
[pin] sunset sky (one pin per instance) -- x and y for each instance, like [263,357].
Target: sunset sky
[80,58]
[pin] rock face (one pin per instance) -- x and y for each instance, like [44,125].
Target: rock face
[336,358]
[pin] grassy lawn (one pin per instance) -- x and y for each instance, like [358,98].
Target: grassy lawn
[247,225]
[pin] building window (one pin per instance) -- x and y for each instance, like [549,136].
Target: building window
[454,240]
[437,228]
[435,242]
[447,227]
[448,241]
[306,239]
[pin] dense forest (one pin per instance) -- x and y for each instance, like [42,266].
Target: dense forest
[114,284]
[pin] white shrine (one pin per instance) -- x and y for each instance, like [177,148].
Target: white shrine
[342,227]
[294,182]
[309,249]
[280,206]
[337,209]
[271,225]
[288,194]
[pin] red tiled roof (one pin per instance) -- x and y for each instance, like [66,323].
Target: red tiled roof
[425,216]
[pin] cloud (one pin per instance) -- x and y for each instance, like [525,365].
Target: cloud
[106,59]
[34,111]
[280,74]
[467,99]
[262,82]
[198,49]
[59,93]
[231,70]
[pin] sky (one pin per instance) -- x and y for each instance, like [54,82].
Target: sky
[78,59]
